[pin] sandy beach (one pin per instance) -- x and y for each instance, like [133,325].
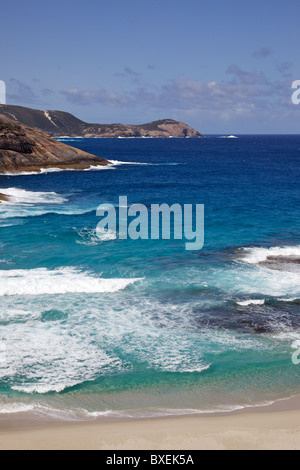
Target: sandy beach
[246,431]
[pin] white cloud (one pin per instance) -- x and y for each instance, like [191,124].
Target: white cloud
[102,96]
[20,92]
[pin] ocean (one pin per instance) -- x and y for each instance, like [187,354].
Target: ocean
[105,327]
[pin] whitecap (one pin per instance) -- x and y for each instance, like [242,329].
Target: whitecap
[256,255]
[117,162]
[43,388]
[25,203]
[92,237]
[245,303]
[42,281]
[289,299]
[228,137]
[22,196]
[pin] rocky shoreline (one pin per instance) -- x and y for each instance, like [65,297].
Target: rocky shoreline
[24,149]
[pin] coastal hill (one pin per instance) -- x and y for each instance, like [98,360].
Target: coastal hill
[23,149]
[59,123]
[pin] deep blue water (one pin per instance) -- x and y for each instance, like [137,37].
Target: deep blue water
[91,325]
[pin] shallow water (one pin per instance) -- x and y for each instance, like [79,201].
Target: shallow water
[93,326]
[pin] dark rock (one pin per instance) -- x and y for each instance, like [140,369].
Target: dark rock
[281,259]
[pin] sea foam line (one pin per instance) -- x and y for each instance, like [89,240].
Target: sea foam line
[22,196]
[56,170]
[82,414]
[42,281]
[24,203]
[112,166]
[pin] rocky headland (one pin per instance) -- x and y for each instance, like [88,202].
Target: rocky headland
[59,123]
[24,149]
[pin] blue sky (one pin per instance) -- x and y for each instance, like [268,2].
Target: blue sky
[220,66]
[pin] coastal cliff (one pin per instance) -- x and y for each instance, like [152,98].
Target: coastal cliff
[23,149]
[59,123]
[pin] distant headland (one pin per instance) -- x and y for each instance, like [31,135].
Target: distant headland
[59,123]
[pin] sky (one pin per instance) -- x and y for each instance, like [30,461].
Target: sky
[223,67]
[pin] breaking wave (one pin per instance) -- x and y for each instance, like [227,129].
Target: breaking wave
[42,281]
[246,303]
[260,255]
[22,196]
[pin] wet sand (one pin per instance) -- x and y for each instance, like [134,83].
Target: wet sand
[252,430]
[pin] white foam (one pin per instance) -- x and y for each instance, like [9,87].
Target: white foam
[17,315]
[256,281]
[50,170]
[45,357]
[55,170]
[92,237]
[82,414]
[27,211]
[42,281]
[67,137]
[22,196]
[165,412]
[228,137]
[111,166]
[23,203]
[258,255]
[117,162]
[92,336]
[11,408]
[161,412]
[29,173]
[100,168]
[245,303]
[289,299]
[43,388]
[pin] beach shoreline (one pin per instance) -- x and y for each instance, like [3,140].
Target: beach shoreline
[249,431]
[275,426]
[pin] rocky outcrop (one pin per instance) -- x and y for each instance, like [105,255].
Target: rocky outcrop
[23,149]
[160,129]
[3,197]
[59,123]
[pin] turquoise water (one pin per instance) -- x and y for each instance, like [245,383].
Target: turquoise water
[98,327]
